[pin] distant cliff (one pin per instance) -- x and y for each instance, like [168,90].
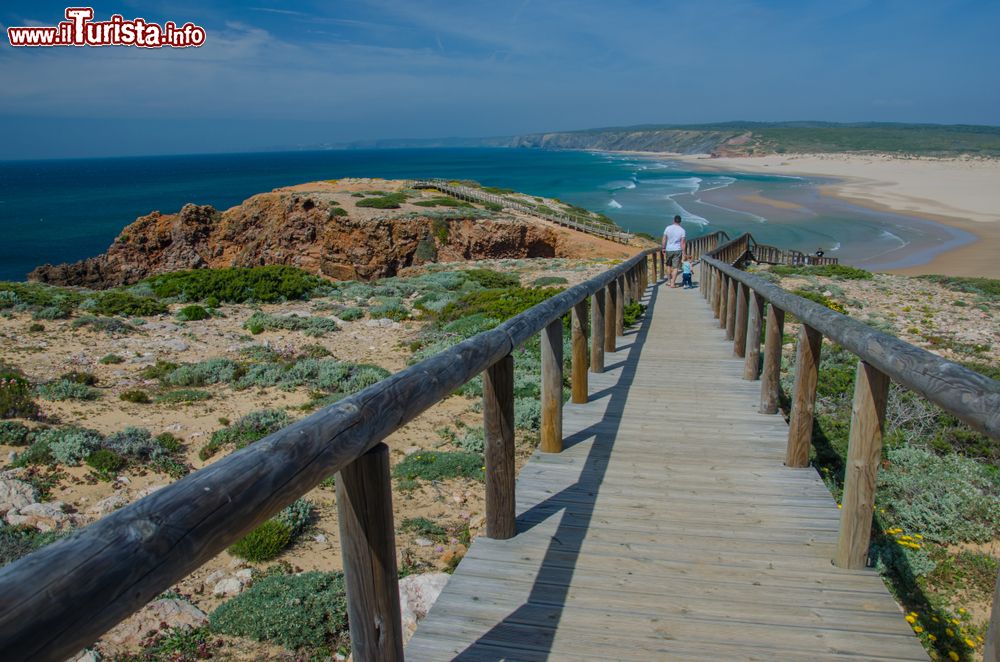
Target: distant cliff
[335,229]
[681,141]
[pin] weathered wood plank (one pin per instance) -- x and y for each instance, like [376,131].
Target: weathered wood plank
[498,428]
[800,425]
[578,330]
[552,372]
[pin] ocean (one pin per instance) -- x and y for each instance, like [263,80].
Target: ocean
[65,210]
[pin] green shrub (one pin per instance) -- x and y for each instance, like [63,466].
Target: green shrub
[490,279]
[133,443]
[426,251]
[497,304]
[136,396]
[821,300]
[311,326]
[948,499]
[193,313]
[63,389]
[295,611]
[14,434]
[111,359]
[389,308]
[351,313]
[119,302]
[263,543]
[209,371]
[36,328]
[528,414]
[424,527]
[492,206]
[16,399]
[632,312]
[238,284]
[38,453]
[440,465]
[839,271]
[473,441]
[441,201]
[18,541]
[250,428]
[182,395]
[71,445]
[78,377]
[988,288]
[546,281]
[159,370]
[334,211]
[169,442]
[106,463]
[59,302]
[388,201]
[108,325]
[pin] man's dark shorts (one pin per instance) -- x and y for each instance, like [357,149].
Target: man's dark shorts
[673,259]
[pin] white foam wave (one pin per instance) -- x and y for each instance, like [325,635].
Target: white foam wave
[885,234]
[619,184]
[723,183]
[614,204]
[754,217]
[836,247]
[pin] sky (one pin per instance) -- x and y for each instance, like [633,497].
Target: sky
[309,73]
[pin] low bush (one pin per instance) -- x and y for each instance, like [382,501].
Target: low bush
[193,313]
[441,201]
[839,271]
[391,308]
[311,326]
[13,433]
[111,359]
[948,498]
[334,211]
[16,399]
[120,302]
[387,201]
[108,325]
[135,444]
[80,377]
[424,527]
[490,279]
[209,371]
[181,396]
[43,301]
[305,611]
[64,389]
[71,445]
[106,463]
[250,428]
[632,312]
[440,465]
[821,300]
[169,442]
[18,541]
[546,281]
[238,284]
[351,313]
[988,288]
[136,396]
[500,304]
[159,370]
[36,328]
[263,543]
[426,251]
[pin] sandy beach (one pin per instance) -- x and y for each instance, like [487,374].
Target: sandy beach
[959,193]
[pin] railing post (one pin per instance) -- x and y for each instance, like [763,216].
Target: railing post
[770,381]
[731,309]
[578,327]
[740,335]
[597,332]
[620,307]
[610,315]
[552,388]
[368,549]
[751,367]
[803,396]
[991,651]
[656,275]
[723,300]
[498,428]
[864,454]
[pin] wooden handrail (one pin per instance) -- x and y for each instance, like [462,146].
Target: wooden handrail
[62,597]
[968,395]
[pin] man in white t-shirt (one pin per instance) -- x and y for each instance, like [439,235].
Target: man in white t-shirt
[674,244]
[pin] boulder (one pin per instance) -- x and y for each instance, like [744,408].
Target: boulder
[15,494]
[228,586]
[43,516]
[109,504]
[417,593]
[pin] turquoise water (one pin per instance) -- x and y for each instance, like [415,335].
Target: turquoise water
[66,210]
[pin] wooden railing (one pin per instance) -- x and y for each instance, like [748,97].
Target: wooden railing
[741,301]
[63,597]
[471,194]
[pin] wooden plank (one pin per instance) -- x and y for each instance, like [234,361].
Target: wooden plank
[368,549]
[751,367]
[597,332]
[610,318]
[740,331]
[770,381]
[578,330]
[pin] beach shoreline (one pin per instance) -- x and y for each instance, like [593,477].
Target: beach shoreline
[958,193]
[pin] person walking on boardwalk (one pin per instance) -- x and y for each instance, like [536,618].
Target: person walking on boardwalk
[674,244]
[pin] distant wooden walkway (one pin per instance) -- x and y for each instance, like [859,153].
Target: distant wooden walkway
[668,529]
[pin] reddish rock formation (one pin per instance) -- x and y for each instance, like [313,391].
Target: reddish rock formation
[300,226]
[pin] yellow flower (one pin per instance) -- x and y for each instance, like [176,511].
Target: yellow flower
[949,632]
[953,655]
[918,536]
[911,619]
[961,610]
[970,643]
[917,629]
[839,506]
[932,638]
[935,619]
[955,621]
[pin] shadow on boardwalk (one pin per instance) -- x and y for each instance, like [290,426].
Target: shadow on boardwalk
[551,586]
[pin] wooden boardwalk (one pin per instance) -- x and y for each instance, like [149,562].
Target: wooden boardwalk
[668,529]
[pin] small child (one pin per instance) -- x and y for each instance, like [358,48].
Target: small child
[686,273]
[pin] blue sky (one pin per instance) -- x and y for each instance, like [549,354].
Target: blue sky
[306,73]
